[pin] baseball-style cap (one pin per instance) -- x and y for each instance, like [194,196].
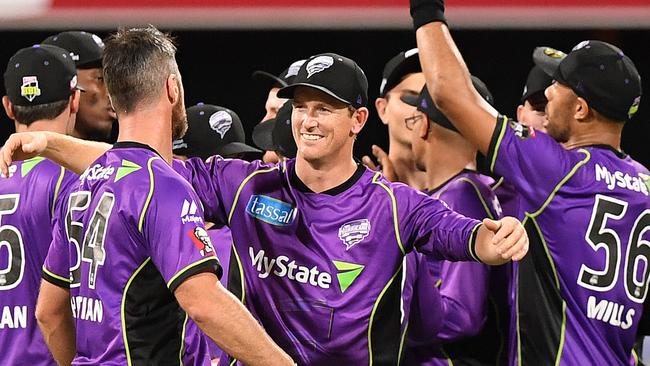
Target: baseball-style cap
[40,74]
[212,130]
[282,80]
[598,72]
[85,48]
[536,82]
[397,68]
[333,74]
[425,104]
[275,134]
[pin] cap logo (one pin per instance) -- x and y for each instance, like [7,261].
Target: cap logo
[580,45]
[634,108]
[221,122]
[319,64]
[30,89]
[294,68]
[424,104]
[383,85]
[552,52]
[98,40]
[411,52]
[179,144]
[74,57]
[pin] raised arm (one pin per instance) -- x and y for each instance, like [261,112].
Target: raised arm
[74,154]
[225,320]
[447,77]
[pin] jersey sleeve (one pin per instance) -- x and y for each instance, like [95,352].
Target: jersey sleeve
[464,290]
[56,268]
[432,228]
[426,307]
[174,232]
[533,162]
[216,181]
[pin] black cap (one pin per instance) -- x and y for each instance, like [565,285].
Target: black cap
[275,134]
[212,130]
[40,74]
[335,75]
[536,82]
[85,48]
[598,72]
[282,80]
[397,68]
[425,104]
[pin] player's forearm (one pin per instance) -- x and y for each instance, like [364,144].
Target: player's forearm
[486,249]
[231,326]
[72,153]
[54,317]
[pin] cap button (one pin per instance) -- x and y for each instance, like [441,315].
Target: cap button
[46,63]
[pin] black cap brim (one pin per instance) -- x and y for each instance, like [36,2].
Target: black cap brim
[410,99]
[288,91]
[268,77]
[263,135]
[548,59]
[234,148]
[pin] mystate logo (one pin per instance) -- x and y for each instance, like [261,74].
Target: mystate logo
[270,210]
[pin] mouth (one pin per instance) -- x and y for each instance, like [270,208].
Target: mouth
[310,137]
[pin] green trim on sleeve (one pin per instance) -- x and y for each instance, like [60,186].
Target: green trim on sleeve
[495,144]
[55,279]
[393,201]
[472,242]
[189,267]
[241,187]
[57,188]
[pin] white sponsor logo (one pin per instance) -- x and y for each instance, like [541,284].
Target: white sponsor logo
[621,180]
[221,122]
[97,172]
[284,267]
[319,64]
[14,317]
[188,213]
[87,308]
[12,171]
[351,233]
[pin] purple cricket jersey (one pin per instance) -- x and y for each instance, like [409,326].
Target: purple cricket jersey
[28,201]
[581,288]
[322,271]
[136,232]
[471,333]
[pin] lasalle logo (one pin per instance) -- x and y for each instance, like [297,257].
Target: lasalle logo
[351,233]
[271,210]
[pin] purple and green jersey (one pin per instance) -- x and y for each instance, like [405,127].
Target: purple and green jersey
[322,272]
[133,232]
[471,333]
[581,288]
[28,201]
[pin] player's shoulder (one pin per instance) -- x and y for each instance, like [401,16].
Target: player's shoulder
[613,170]
[470,183]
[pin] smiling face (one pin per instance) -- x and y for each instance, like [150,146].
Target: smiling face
[323,127]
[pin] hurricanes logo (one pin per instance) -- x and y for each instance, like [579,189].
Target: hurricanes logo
[221,122]
[552,52]
[201,240]
[294,68]
[319,64]
[30,89]
[351,233]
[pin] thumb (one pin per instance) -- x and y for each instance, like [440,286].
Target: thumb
[492,225]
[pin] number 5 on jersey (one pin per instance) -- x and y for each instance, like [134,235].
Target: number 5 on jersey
[92,251]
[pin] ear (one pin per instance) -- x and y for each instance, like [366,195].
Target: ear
[380,105]
[74,101]
[582,110]
[423,127]
[520,112]
[360,117]
[8,107]
[173,91]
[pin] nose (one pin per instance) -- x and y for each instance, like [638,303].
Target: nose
[547,92]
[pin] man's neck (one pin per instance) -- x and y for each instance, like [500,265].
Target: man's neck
[402,159]
[57,125]
[149,128]
[597,133]
[443,164]
[322,177]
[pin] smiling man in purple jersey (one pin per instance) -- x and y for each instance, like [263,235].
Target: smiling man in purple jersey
[580,291]
[41,96]
[471,332]
[133,249]
[319,240]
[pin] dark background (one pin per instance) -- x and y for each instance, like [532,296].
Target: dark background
[216,66]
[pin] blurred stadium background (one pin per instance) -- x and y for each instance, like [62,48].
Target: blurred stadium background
[221,42]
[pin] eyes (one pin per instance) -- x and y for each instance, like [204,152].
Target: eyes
[321,110]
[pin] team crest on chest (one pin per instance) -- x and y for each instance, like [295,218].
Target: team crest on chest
[353,232]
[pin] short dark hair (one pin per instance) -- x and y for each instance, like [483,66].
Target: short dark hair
[26,115]
[137,62]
